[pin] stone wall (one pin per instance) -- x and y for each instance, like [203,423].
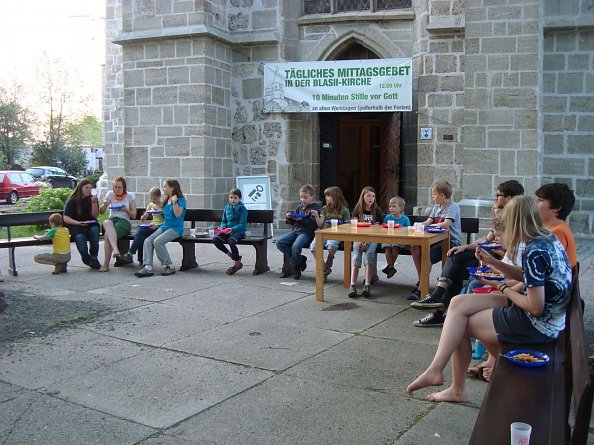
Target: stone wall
[568,79]
[183,94]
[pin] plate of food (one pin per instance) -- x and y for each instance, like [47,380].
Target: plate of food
[482,290]
[116,206]
[484,272]
[224,231]
[527,357]
[434,229]
[395,225]
[363,224]
[490,245]
[298,215]
[154,212]
[144,226]
[201,234]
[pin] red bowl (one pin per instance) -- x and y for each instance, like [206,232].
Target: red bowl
[483,290]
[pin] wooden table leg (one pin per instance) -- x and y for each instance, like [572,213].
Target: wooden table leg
[319,267]
[425,267]
[348,249]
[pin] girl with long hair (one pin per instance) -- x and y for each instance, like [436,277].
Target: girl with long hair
[366,210]
[336,208]
[122,207]
[80,216]
[174,209]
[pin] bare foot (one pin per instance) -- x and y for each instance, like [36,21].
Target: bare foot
[104,269]
[489,363]
[448,395]
[428,378]
[487,374]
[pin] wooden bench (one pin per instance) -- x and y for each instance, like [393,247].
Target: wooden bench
[542,396]
[8,220]
[260,242]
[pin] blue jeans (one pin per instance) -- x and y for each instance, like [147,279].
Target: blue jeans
[141,234]
[157,243]
[291,244]
[81,236]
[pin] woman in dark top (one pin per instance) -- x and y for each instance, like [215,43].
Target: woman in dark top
[80,215]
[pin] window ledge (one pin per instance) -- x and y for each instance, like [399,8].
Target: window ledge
[446,24]
[356,16]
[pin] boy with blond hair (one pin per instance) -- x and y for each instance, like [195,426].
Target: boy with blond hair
[60,237]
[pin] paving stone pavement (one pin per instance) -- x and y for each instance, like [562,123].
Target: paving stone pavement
[201,357]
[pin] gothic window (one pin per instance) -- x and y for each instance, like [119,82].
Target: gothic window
[336,6]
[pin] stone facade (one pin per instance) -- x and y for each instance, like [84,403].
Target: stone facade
[506,86]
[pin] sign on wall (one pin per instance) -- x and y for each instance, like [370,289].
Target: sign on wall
[338,86]
[255,192]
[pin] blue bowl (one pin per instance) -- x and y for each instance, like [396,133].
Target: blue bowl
[299,215]
[434,229]
[541,359]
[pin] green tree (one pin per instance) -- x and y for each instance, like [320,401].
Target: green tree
[16,122]
[86,132]
[62,103]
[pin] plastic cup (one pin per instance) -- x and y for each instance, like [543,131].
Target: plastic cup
[211,233]
[334,223]
[520,433]
[354,222]
[411,229]
[192,232]
[391,224]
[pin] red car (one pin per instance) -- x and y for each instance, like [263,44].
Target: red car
[15,185]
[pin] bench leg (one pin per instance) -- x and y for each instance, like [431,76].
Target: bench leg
[189,256]
[261,258]
[12,262]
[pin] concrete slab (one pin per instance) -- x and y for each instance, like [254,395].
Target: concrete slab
[368,363]
[40,362]
[158,324]
[444,423]
[239,298]
[260,343]
[30,417]
[334,313]
[158,388]
[289,410]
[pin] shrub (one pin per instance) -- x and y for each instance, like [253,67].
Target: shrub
[94,176]
[48,199]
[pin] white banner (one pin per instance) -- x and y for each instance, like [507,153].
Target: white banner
[338,86]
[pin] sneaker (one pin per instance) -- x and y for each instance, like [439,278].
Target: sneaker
[297,273]
[434,319]
[303,264]
[366,292]
[286,274]
[94,263]
[168,270]
[429,302]
[353,291]
[236,266]
[142,273]
[391,272]
[126,258]
[415,294]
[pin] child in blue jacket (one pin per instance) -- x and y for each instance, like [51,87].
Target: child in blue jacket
[232,229]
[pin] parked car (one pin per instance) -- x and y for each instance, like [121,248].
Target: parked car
[54,176]
[17,184]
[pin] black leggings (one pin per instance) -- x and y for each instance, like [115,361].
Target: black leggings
[219,242]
